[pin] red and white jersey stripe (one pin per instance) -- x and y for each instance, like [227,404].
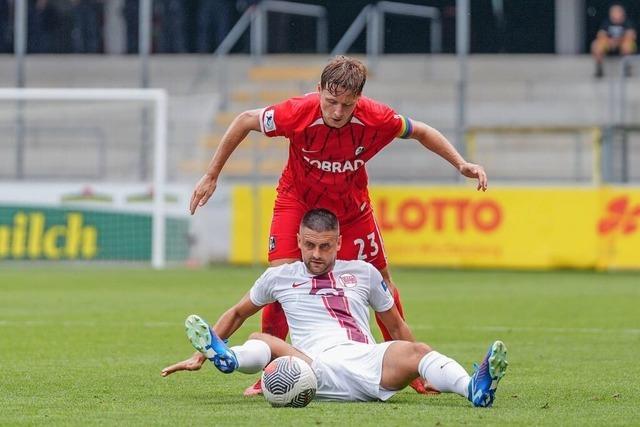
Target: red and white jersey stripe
[327,310]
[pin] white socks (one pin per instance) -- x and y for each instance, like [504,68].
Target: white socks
[444,373]
[252,356]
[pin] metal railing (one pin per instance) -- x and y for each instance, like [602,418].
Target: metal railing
[373,18]
[624,65]
[618,92]
[256,18]
[616,136]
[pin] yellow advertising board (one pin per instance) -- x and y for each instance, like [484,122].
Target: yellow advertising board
[513,227]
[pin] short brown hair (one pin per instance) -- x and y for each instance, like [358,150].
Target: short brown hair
[320,220]
[344,74]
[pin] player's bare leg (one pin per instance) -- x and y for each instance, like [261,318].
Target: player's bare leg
[274,323]
[404,360]
[420,385]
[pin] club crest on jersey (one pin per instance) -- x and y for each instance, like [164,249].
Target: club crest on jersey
[359,150]
[269,121]
[348,280]
[272,243]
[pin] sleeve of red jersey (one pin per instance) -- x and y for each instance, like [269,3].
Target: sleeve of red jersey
[397,125]
[390,124]
[278,119]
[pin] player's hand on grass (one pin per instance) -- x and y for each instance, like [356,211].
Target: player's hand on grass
[422,386]
[193,363]
[203,191]
[471,170]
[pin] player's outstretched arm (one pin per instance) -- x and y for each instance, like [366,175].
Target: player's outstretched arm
[193,363]
[235,134]
[436,142]
[226,325]
[233,318]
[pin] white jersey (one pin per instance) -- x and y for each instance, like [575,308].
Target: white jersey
[327,310]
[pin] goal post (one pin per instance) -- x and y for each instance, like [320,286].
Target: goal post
[158,99]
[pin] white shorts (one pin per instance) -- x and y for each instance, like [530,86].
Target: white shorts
[351,372]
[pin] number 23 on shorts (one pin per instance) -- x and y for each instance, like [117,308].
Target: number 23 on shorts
[367,247]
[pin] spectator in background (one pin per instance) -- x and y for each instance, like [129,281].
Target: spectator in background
[215,19]
[616,35]
[171,36]
[85,33]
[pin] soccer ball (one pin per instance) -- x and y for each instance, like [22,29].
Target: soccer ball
[289,381]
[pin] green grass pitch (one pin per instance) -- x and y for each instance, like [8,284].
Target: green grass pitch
[85,347]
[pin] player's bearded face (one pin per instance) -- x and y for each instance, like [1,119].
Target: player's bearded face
[319,249]
[337,108]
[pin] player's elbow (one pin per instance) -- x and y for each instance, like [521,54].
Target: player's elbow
[249,119]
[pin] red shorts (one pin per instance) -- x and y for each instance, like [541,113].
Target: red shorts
[361,237]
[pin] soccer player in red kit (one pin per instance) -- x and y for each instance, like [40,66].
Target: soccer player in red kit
[332,133]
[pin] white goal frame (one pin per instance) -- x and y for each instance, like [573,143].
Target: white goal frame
[159,99]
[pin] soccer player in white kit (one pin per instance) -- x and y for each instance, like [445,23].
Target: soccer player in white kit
[327,302]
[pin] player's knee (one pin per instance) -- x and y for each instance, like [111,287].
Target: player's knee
[259,336]
[627,49]
[420,349]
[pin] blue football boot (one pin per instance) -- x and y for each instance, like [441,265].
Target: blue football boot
[484,380]
[205,340]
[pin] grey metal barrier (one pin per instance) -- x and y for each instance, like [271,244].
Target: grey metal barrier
[256,17]
[256,20]
[373,18]
[624,64]
[616,150]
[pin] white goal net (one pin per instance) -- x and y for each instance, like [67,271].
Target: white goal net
[83,177]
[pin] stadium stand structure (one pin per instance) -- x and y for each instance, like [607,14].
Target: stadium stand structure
[504,91]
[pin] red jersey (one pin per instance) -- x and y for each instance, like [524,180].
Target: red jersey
[326,166]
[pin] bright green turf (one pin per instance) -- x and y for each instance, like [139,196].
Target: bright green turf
[86,346]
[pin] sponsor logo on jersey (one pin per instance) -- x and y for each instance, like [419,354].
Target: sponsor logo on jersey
[336,167]
[304,150]
[348,280]
[384,286]
[272,243]
[359,150]
[269,121]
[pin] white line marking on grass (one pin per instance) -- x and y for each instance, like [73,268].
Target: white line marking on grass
[539,329]
[87,323]
[93,323]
